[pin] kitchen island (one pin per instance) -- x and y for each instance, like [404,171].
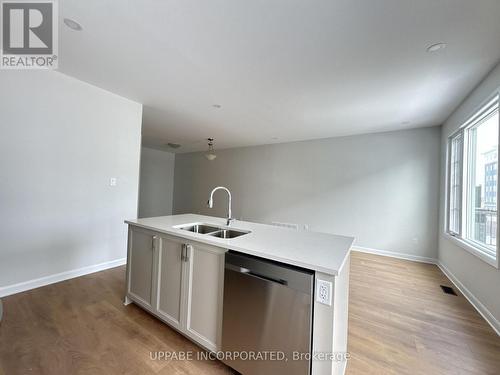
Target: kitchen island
[177,274]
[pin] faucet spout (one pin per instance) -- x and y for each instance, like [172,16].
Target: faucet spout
[210,202]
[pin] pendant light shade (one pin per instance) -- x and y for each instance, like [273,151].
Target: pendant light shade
[210,155]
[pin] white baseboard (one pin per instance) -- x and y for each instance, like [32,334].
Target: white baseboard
[51,279]
[415,258]
[481,309]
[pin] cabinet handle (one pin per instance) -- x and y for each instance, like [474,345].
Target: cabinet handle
[153,242]
[184,252]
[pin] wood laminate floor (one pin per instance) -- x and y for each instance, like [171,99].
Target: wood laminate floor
[400,322]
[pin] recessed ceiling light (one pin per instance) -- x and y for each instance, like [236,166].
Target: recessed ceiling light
[436,47]
[73,25]
[216,106]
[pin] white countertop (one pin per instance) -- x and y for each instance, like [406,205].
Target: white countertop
[320,252]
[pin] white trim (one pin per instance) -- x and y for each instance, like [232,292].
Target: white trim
[476,109]
[55,278]
[415,258]
[479,114]
[472,249]
[481,309]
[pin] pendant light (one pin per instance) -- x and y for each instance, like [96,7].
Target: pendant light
[210,155]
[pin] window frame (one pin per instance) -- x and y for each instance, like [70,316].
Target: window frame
[448,183]
[473,247]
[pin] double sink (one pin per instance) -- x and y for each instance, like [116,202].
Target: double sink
[213,231]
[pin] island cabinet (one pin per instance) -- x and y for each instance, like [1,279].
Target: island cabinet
[178,280]
[178,276]
[169,296]
[141,267]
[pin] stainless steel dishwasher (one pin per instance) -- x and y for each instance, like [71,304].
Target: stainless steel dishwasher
[267,309]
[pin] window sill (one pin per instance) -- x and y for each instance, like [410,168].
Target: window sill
[471,249]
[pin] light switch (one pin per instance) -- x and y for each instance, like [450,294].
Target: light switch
[112,181]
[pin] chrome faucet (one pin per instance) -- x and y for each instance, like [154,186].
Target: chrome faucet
[211,202]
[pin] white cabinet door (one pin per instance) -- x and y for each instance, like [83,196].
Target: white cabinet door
[141,266]
[170,273]
[179,281]
[205,278]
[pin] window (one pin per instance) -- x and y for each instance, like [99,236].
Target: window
[472,183]
[456,147]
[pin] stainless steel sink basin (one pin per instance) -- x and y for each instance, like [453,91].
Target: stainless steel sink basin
[200,228]
[228,233]
[211,230]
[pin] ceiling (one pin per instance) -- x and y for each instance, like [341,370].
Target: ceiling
[281,70]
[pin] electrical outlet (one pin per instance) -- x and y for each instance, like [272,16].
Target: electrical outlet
[112,181]
[324,292]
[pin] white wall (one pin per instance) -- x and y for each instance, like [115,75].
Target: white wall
[381,188]
[481,279]
[61,141]
[156,182]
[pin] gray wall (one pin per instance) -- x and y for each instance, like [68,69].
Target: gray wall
[156,182]
[481,279]
[61,142]
[381,188]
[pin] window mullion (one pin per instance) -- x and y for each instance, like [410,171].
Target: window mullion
[463,183]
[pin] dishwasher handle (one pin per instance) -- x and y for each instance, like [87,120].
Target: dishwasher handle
[248,272]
